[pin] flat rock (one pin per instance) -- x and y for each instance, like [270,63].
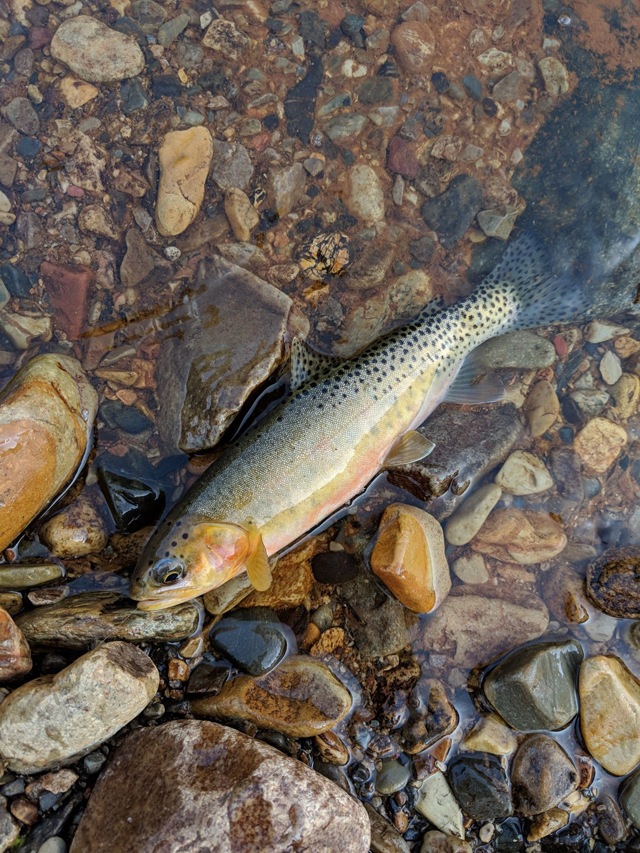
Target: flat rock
[231,166]
[68,287]
[599,443]
[185,157]
[521,350]
[96,53]
[610,713]
[438,804]
[524,474]
[79,621]
[15,654]
[55,719]
[214,363]
[242,215]
[46,417]
[409,557]
[288,186]
[300,698]
[468,519]
[379,626]
[535,687]
[451,213]
[198,785]
[542,775]
[520,536]
[474,628]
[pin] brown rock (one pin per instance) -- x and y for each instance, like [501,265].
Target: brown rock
[414,44]
[76,92]
[242,215]
[541,407]
[68,287]
[291,579]
[520,536]
[95,52]
[409,558]
[46,417]
[15,654]
[140,260]
[613,582]
[200,786]
[75,531]
[542,775]
[300,698]
[599,443]
[401,158]
[185,158]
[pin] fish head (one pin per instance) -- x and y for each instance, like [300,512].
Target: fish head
[186,558]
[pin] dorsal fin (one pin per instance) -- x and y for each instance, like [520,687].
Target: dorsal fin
[307,364]
[430,309]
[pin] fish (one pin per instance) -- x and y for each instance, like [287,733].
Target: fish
[342,423]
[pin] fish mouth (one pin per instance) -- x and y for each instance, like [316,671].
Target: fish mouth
[164,601]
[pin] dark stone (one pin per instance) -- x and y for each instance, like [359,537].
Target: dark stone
[401,158]
[313,30]
[613,582]
[542,775]
[207,678]
[376,620]
[480,785]
[165,85]
[133,503]
[490,107]
[473,87]
[28,147]
[423,248]
[574,838]
[612,826]
[300,101]
[431,716]
[388,69]
[334,567]
[252,639]
[377,90]
[128,418]
[37,15]
[451,213]
[23,117]
[352,26]
[271,122]
[440,82]
[133,96]
[15,280]
[509,837]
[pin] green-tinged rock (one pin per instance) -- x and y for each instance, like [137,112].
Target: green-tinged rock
[480,785]
[17,576]
[385,838]
[393,776]
[630,798]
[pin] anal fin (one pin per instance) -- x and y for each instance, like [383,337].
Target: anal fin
[410,447]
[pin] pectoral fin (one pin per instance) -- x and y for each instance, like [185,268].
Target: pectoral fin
[257,564]
[474,385]
[410,447]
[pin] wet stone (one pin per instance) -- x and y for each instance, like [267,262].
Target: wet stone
[185,157]
[468,519]
[300,101]
[524,474]
[231,165]
[133,97]
[384,837]
[15,654]
[288,186]
[438,804]
[379,90]
[439,842]
[612,826]
[535,687]
[491,735]
[541,408]
[414,45]
[79,621]
[520,536]
[613,582]
[96,53]
[480,785]
[253,639]
[630,798]
[366,195]
[451,213]
[401,158]
[599,443]
[127,418]
[431,716]
[343,129]
[164,784]
[380,627]
[300,698]
[75,531]
[134,503]
[542,775]
[393,776]
[335,567]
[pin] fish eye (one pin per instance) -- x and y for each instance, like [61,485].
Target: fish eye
[168,571]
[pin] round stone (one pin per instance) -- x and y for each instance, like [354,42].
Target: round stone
[542,775]
[96,53]
[253,639]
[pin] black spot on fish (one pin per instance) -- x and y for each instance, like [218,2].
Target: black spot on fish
[185,535]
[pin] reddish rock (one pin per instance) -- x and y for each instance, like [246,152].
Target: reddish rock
[68,286]
[15,655]
[401,158]
[39,37]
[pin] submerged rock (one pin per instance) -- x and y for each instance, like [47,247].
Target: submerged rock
[46,417]
[96,53]
[613,582]
[480,785]
[520,536]
[438,804]
[300,698]
[55,719]
[185,158]
[253,639]
[81,620]
[379,627]
[75,531]
[199,785]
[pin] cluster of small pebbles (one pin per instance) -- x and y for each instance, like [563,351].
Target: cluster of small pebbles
[183,189]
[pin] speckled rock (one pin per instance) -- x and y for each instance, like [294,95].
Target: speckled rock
[520,536]
[431,716]
[524,474]
[451,213]
[75,531]
[599,443]
[164,784]
[385,838]
[225,38]
[555,75]
[300,698]
[97,220]
[376,621]
[242,215]
[46,418]
[365,198]
[185,158]
[610,713]
[409,557]
[15,654]
[626,395]
[613,582]
[541,408]
[465,523]
[414,45]
[57,718]
[232,166]
[542,775]
[96,53]
[522,350]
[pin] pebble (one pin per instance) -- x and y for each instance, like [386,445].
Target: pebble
[9,828]
[480,785]
[535,687]
[555,75]
[498,221]
[231,166]
[94,219]
[365,197]
[474,629]
[466,521]
[598,331]
[185,157]
[25,576]
[68,287]
[133,503]
[379,626]
[414,45]
[610,367]
[542,775]
[21,114]
[524,474]
[345,128]
[431,716]
[610,713]
[394,775]
[613,582]
[629,795]
[599,443]
[288,187]
[584,404]
[521,350]
[626,395]
[300,698]
[169,32]
[253,639]
[438,804]
[223,37]
[439,842]
[55,719]
[409,558]
[520,536]
[451,213]
[401,158]
[80,621]
[77,93]
[242,215]
[491,735]
[76,531]
[163,784]
[94,52]
[46,418]
[15,654]
[55,844]
[541,408]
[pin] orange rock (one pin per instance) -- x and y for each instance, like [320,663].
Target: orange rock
[520,536]
[46,417]
[409,558]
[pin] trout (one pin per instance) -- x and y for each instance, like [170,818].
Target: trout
[341,424]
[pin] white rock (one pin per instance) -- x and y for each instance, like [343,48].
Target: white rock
[524,474]
[472,514]
[437,803]
[610,367]
[366,196]
[598,331]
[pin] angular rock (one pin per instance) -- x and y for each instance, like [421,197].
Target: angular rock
[524,474]
[414,45]
[542,775]
[599,443]
[75,531]
[300,698]
[185,157]
[409,558]
[431,716]
[365,198]
[535,687]
[80,621]
[468,519]
[198,785]
[231,166]
[475,628]
[498,221]
[520,536]
[15,654]
[480,785]
[94,219]
[242,215]
[610,713]
[288,186]
[77,93]
[133,503]
[491,735]
[385,838]
[555,75]
[613,582]
[96,53]
[55,719]
[23,117]
[224,37]
[140,261]
[46,418]
[213,365]
[438,804]
[68,286]
[451,213]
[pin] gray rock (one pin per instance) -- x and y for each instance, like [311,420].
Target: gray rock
[214,363]
[480,785]
[198,785]
[380,627]
[82,620]
[140,261]
[522,350]
[509,88]
[55,719]
[22,116]
[393,776]
[288,186]
[95,52]
[630,798]
[346,127]
[498,221]
[9,828]
[451,213]
[231,165]
[535,687]
[542,775]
